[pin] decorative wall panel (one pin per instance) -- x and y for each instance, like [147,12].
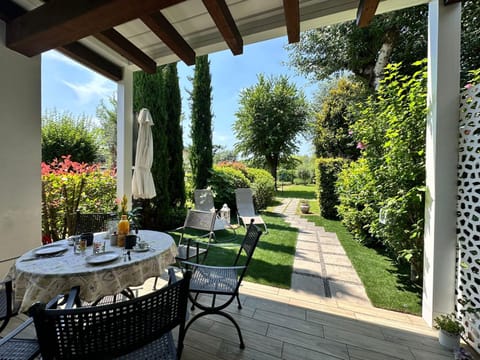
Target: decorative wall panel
[468,215]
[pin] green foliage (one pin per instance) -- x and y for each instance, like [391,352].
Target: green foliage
[470,56]
[448,323]
[304,174]
[329,50]
[223,181]
[107,115]
[149,92]
[327,171]
[68,186]
[201,151]
[62,135]
[263,186]
[357,196]
[176,180]
[271,115]
[236,165]
[391,173]
[221,153]
[285,175]
[334,118]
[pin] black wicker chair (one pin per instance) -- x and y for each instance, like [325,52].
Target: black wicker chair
[6,303]
[222,280]
[92,222]
[15,347]
[135,329]
[196,236]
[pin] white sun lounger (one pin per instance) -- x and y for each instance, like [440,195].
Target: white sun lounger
[245,208]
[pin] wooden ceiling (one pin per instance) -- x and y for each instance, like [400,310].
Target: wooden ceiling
[107,35]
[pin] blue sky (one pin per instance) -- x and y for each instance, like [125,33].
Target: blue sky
[69,86]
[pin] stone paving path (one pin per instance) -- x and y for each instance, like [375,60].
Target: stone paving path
[321,266]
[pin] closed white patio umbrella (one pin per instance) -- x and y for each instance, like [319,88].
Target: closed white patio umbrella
[143,186]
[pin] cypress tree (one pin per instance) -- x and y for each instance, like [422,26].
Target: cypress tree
[201,158]
[176,181]
[149,92]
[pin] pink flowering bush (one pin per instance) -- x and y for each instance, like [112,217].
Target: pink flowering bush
[68,186]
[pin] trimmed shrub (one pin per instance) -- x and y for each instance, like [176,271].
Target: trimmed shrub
[327,171]
[223,182]
[236,165]
[263,186]
[357,193]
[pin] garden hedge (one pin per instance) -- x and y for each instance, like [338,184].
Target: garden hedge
[326,174]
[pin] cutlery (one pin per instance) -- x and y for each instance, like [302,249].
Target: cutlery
[41,257]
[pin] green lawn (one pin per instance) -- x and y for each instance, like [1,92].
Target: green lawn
[272,262]
[297,191]
[386,283]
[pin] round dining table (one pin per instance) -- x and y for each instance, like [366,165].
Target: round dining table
[45,272]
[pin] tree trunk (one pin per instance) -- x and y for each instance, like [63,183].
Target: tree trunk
[272,163]
[384,56]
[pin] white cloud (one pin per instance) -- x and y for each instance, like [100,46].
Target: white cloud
[56,56]
[97,87]
[223,139]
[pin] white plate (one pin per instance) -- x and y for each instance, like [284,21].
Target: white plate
[137,249]
[105,257]
[50,249]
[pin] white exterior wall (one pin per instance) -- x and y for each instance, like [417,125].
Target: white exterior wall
[20,136]
[124,135]
[441,159]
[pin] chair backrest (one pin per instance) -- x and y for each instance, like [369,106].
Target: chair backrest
[105,332]
[200,220]
[204,200]
[6,310]
[244,200]
[92,222]
[249,244]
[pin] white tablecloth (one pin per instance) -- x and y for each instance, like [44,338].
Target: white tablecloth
[43,279]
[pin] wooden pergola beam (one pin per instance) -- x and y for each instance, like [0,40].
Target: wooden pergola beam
[222,17]
[124,47]
[57,23]
[10,10]
[92,60]
[169,35]
[292,20]
[366,11]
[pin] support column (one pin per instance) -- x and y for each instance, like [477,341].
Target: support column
[20,154]
[124,135]
[441,158]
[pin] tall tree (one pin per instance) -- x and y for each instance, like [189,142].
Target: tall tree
[107,114]
[399,36]
[63,134]
[334,118]
[149,92]
[271,115]
[395,36]
[176,181]
[201,156]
